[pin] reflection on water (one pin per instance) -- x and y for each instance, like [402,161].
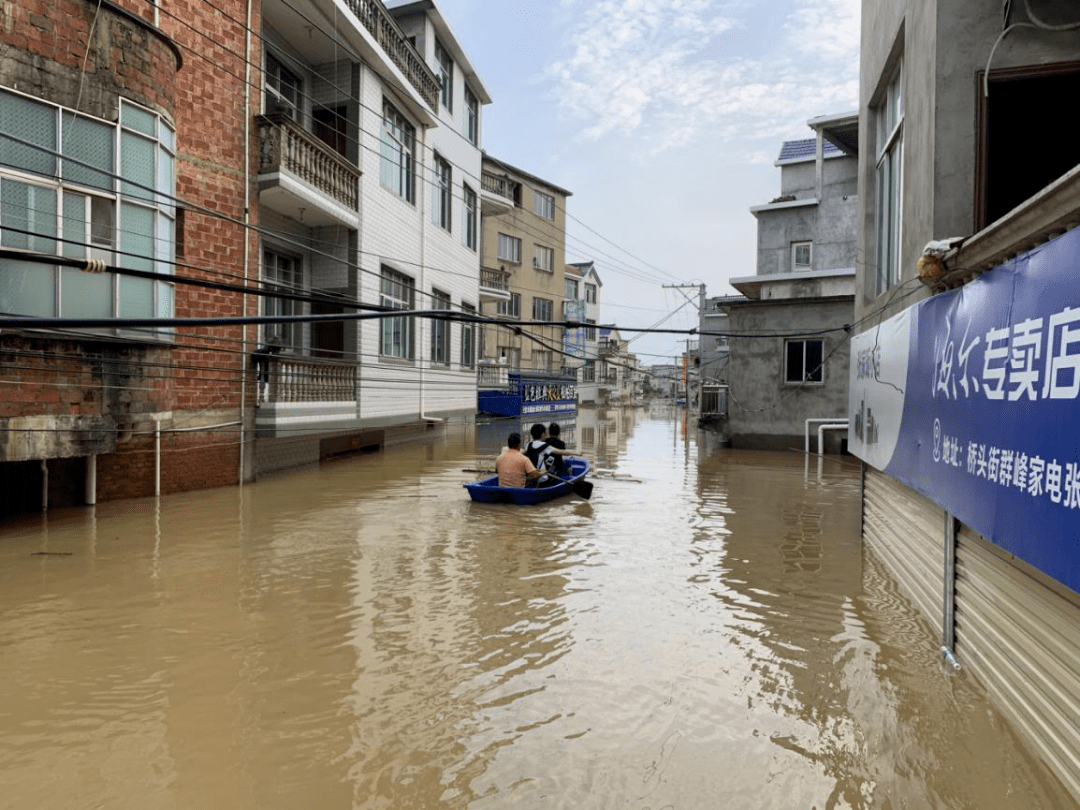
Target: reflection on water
[707,633]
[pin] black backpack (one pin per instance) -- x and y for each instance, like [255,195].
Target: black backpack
[533,453]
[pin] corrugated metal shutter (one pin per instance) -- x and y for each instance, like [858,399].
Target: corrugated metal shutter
[907,532]
[1022,641]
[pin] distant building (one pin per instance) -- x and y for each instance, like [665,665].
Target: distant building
[582,302]
[523,255]
[788,359]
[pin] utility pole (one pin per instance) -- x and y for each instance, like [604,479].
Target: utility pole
[701,308]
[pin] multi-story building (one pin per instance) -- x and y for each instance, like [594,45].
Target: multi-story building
[523,256]
[790,367]
[327,164]
[581,303]
[369,191]
[122,153]
[964,379]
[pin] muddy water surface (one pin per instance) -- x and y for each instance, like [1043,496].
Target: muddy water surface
[707,632]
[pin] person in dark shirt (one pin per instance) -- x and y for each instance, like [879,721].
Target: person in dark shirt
[559,468]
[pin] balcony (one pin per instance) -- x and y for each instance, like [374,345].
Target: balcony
[377,20]
[498,193]
[303,178]
[608,348]
[494,284]
[297,395]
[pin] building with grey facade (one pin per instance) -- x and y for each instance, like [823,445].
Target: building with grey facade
[969,191]
[787,359]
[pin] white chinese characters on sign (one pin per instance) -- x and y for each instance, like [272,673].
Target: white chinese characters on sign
[1015,366]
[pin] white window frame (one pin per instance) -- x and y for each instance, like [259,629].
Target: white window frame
[470,217]
[805,247]
[446,76]
[440,330]
[284,89]
[283,271]
[590,293]
[472,117]
[397,154]
[509,248]
[396,335]
[544,258]
[571,289]
[889,129]
[544,205]
[511,308]
[441,190]
[127,210]
[543,309]
[804,375]
[468,337]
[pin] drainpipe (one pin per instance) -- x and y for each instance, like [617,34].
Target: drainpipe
[431,323]
[821,433]
[91,480]
[247,238]
[157,458]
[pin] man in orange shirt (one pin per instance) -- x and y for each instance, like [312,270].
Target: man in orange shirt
[513,467]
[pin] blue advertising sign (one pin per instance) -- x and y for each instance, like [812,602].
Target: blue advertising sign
[970,398]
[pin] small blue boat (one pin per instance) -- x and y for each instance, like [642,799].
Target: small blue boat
[487,490]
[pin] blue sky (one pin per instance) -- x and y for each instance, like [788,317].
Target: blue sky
[663,117]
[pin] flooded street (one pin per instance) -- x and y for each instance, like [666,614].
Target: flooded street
[707,631]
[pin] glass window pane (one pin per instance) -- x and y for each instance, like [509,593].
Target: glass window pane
[794,361]
[28,216]
[137,119]
[814,370]
[167,136]
[85,295]
[136,297]
[89,142]
[137,164]
[166,181]
[27,289]
[137,237]
[74,226]
[166,245]
[29,121]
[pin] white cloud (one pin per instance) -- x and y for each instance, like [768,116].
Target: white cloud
[667,72]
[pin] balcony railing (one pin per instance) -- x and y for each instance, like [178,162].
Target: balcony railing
[382,26]
[294,379]
[499,186]
[714,401]
[285,145]
[492,279]
[608,347]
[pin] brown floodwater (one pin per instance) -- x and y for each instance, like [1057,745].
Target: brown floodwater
[706,632]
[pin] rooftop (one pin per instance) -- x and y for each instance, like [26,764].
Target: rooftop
[805,150]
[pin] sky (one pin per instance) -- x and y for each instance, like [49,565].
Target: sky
[663,118]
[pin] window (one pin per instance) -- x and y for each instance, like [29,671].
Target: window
[284,90]
[571,289]
[509,248]
[542,360]
[590,331]
[801,254]
[511,308]
[446,76]
[588,371]
[889,115]
[330,125]
[440,330]
[468,337]
[468,197]
[804,361]
[590,293]
[128,221]
[398,148]
[283,273]
[544,259]
[440,189]
[472,117]
[542,309]
[396,292]
[543,205]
